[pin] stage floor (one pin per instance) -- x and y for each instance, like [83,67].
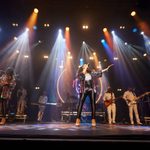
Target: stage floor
[60,131]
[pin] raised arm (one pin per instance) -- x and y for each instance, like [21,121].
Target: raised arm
[106,69]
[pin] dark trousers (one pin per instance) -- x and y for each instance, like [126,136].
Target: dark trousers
[4,107]
[82,100]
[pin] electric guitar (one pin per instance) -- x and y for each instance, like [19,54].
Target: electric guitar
[109,102]
[129,102]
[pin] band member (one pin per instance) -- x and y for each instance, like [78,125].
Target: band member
[21,105]
[7,83]
[130,98]
[87,78]
[42,102]
[109,101]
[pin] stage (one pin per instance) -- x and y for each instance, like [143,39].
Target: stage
[61,132]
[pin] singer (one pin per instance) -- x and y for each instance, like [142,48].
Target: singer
[87,78]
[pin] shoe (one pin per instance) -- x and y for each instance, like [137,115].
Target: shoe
[139,123]
[77,122]
[93,123]
[114,122]
[3,121]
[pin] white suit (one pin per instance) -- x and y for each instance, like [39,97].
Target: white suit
[111,109]
[130,97]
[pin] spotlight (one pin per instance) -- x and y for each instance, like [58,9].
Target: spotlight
[45,57]
[91,58]
[37,88]
[134,30]
[36,10]
[81,59]
[69,53]
[27,30]
[26,56]
[142,33]
[67,28]
[83,42]
[15,38]
[60,31]
[94,53]
[85,27]
[144,54]
[17,51]
[113,32]
[133,13]
[115,58]
[126,43]
[134,58]
[102,41]
[119,90]
[35,27]
[104,29]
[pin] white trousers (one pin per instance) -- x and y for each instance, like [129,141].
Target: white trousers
[133,108]
[111,110]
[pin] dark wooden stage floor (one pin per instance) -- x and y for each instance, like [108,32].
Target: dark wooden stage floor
[60,131]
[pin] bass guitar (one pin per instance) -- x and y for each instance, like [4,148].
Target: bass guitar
[132,102]
[109,102]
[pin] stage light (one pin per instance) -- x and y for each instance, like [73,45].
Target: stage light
[134,30]
[26,56]
[119,90]
[113,32]
[45,57]
[69,53]
[85,27]
[133,13]
[116,58]
[102,41]
[36,10]
[27,30]
[144,54]
[81,59]
[134,58]
[83,42]
[37,88]
[60,31]
[35,27]
[104,29]
[17,51]
[91,58]
[94,53]
[142,33]
[15,24]
[126,43]
[67,28]
[15,38]
[70,57]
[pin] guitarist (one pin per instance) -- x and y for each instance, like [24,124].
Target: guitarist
[42,100]
[109,102]
[130,97]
